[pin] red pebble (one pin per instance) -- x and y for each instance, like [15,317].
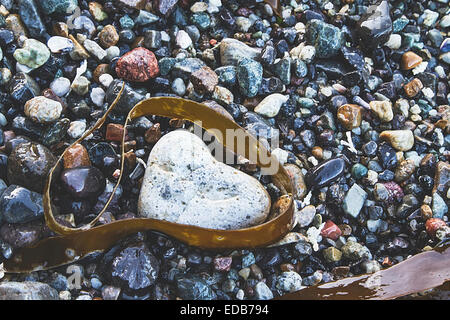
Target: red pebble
[114,132]
[331,231]
[223,263]
[138,65]
[434,224]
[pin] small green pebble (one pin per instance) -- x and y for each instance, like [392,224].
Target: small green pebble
[359,171]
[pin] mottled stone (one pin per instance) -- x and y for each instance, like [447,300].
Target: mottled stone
[138,65]
[270,106]
[350,116]
[43,110]
[331,231]
[27,290]
[249,75]
[183,183]
[33,54]
[404,170]
[298,180]
[413,87]
[108,36]
[434,224]
[326,38]
[59,6]
[375,27]
[204,80]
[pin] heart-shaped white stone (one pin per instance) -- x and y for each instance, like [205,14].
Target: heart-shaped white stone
[184,183]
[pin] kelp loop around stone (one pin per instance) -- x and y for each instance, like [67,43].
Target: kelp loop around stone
[74,244]
[424,271]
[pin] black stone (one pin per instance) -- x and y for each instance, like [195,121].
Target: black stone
[135,268]
[387,156]
[23,88]
[325,173]
[375,27]
[20,205]
[29,165]
[83,182]
[194,288]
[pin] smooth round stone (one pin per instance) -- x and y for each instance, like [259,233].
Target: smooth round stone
[100,151]
[232,51]
[404,170]
[178,87]
[270,106]
[43,110]
[76,156]
[184,183]
[325,173]
[81,85]
[112,52]
[355,251]
[106,79]
[83,182]
[262,291]
[59,44]
[33,54]
[20,205]
[298,179]
[108,37]
[359,171]
[29,164]
[354,200]
[76,129]
[60,86]
[401,140]
[98,96]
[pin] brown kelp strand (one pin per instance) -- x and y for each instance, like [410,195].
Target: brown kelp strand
[79,242]
[419,273]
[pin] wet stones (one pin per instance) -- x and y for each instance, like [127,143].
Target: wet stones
[325,173]
[43,110]
[271,105]
[354,200]
[135,268]
[404,170]
[413,87]
[232,51]
[410,60]
[326,38]
[29,164]
[194,288]
[76,156]
[204,80]
[83,182]
[387,156]
[298,180]
[28,290]
[383,109]
[22,88]
[375,27]
[59,6]
[33,54]
[350,116]
[29,14]
[138,65]
[401,140]
[434,224]
[200,192]
[249,76]
[128,99]
[20,205]
[442,177]
[108,36]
